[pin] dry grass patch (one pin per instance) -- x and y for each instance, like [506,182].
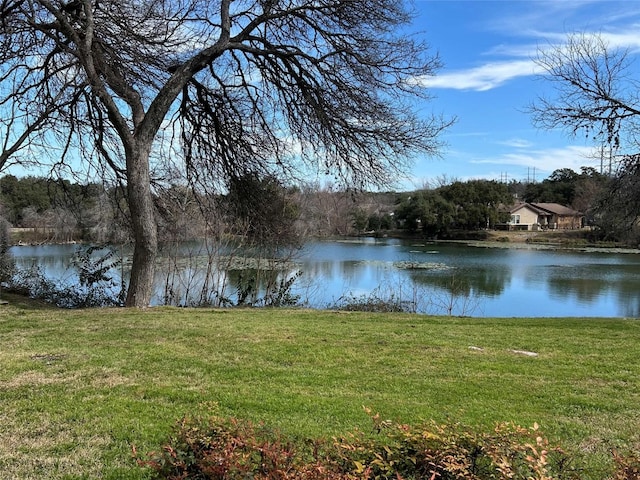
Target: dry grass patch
[40,447]
[109,378]
[36,378]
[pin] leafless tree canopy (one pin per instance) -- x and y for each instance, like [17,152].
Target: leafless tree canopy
[249,84]
[595,92]
[232,86]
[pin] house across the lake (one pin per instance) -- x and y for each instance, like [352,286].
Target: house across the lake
[543,216]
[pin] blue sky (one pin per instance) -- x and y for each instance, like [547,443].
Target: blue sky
[489,78]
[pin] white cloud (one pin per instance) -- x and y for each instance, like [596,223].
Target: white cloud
[623,38]
[484,77]
[516,143]
[548,160]
[522,17]
[496,73]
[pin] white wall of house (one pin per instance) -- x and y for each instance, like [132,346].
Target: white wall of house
[524,216]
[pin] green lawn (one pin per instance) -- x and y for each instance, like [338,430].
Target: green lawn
[79,388]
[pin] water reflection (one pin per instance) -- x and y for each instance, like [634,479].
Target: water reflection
[484,281]
[501,281]
[586,289]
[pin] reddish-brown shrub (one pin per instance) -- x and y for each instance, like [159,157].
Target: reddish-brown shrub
[219,448]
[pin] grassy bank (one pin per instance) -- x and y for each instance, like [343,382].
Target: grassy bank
[79,388]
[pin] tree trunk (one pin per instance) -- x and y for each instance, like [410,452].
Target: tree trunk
[144,228]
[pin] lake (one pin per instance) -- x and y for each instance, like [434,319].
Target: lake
[501,280]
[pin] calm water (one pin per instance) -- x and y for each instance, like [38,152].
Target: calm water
[443,278]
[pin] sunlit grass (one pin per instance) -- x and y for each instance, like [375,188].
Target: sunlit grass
[80,388]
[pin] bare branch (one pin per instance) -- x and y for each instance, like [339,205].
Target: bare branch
[594,93]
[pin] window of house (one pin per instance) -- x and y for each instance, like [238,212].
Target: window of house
[515,218]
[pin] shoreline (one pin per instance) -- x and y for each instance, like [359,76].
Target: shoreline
[547,239]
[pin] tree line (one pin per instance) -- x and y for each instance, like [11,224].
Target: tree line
[480,204]
[260,209]
[264,211]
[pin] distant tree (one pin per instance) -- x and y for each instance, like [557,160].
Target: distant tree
[63,223]
[325,210]
[477,202]
[261,210]
[18,194]
[179,214]
[589,193]
[534,192]
[360,219]
[39,202]
[386,222]
[559,187]
[373,222]
[518,189]
[426,211]
[234,87]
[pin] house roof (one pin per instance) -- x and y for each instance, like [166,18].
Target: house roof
[557,209]
[530,206]
[545,209]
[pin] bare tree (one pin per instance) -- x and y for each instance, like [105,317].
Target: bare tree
[597,95]
[274,86]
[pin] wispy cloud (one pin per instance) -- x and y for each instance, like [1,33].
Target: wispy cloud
[547,160]
[494,74]
[524,163]
[522,18]
[629,38]
[484,77]
[516,143]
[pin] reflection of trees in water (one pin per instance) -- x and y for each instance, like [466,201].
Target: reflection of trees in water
[254,285]
[322,269]
[631,309]
[628,297]
[584,289]
[604,284]
[329,269]
[588,286]
[224,272]
[485,281]
[55,264]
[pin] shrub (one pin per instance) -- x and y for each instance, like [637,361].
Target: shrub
[219,448]
[95,274]
[373,302]
[627,467]
[231,449]
[7,263]
[448,452]
[95,287]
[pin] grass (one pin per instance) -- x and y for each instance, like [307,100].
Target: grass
[79,388]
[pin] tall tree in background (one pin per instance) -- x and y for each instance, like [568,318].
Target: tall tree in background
[597,95]
[262,211]
[234,87]
[476,202]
